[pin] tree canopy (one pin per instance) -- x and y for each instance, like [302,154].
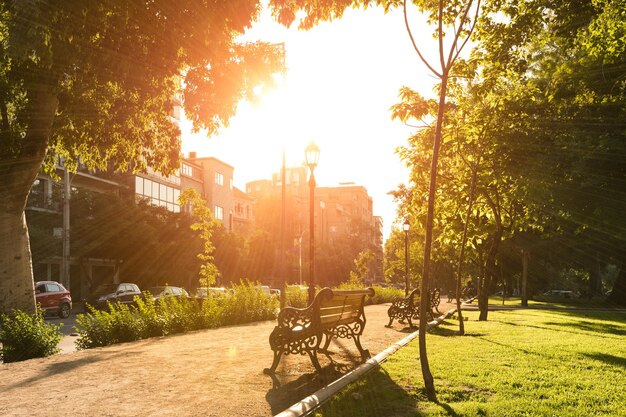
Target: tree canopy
[97,82]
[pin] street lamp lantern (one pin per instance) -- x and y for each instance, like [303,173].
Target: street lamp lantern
[312,156]
[406,226]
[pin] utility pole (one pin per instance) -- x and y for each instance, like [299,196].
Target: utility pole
[65,262]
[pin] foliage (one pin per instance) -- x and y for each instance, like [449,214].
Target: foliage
[26,336]
[381,294]
[362,266]
[297,296]
[97,83]
[248,303]
[576,364]
[204,224]
[171,315]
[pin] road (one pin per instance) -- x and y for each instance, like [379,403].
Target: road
[69,332]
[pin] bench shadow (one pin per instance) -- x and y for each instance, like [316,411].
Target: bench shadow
[375,394]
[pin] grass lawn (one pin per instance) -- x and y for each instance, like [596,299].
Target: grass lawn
[519,363]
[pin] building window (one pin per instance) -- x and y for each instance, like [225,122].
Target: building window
[219,213]
[187,170]
[219,179]
[158,194]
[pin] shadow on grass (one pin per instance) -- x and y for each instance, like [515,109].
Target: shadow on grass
[374,395]
[443,331]
[608,359]
[602,328]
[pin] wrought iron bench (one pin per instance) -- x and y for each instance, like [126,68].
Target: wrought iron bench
[408,308]
[332,314]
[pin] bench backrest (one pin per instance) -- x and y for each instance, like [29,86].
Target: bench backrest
[337,307]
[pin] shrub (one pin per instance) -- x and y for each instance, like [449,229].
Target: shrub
[296,296]
[381,294]
[26,336]
[153,322]
[102,328]
[247,303]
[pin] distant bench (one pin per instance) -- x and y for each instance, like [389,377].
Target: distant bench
[408,308]
[332,314]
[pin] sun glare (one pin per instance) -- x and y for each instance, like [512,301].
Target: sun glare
[341,79]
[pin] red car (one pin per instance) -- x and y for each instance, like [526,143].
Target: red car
[53,298]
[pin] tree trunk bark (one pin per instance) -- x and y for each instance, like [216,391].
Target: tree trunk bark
[17,174]
[618,293]
[16,273]
[524,278]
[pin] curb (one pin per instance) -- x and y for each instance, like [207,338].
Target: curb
[309,404]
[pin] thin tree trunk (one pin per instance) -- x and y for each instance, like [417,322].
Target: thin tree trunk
[462,253]
[524,278]
[425,299]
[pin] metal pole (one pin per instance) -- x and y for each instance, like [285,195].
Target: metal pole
[300,259]
[406,263]
[312,237]
[283,279]
[65,262]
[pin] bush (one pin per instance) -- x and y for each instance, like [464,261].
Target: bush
[296,296]
[26,336]
[102,328]
[381,294]
[173,315]
[248,303]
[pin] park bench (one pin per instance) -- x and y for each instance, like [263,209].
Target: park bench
[332,314]
[408,308]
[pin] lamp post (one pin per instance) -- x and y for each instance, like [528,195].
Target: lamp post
[406,226]
[312,155]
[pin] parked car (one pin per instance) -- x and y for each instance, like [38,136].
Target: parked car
[167,291]
[53,298]
[210,292]
[275,291]
[124,293]
[562,293]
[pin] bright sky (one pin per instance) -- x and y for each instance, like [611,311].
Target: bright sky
[342,77]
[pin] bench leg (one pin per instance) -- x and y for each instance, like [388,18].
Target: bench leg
[365,354]
[316,363]
[277,356]
[390,321]
[329,337]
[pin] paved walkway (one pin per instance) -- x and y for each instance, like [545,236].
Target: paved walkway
[216,372]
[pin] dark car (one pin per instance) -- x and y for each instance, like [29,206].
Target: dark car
[124,293]
[168,291]
[53,298]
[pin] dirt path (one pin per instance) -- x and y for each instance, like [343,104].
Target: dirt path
[217,372]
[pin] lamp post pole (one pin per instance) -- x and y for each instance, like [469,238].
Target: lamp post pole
[406,226]
[312,154]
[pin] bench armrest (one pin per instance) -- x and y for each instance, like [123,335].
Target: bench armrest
[295,318]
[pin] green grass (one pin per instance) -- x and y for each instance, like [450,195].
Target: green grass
[519,363]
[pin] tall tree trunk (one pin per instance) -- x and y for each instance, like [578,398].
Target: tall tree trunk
[470,205]
[489,274]
[17,174]
[425,299]
[618,293]
[525,278]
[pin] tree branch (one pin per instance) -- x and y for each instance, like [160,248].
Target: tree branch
[408,28]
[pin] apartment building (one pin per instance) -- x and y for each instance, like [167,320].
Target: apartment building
[217,177]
